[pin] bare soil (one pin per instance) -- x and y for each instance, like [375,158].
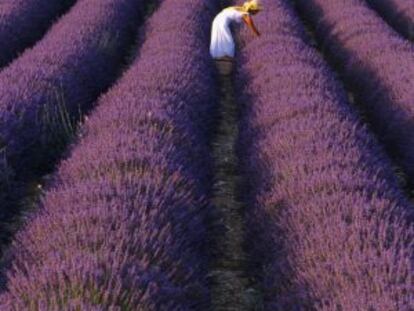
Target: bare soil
[231,288]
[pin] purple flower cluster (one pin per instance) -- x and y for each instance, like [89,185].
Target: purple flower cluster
[399,13]
[43,93]
[327,225]
[123,226]
[377,64]
[22,22]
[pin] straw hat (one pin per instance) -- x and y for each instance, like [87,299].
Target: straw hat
[252,5]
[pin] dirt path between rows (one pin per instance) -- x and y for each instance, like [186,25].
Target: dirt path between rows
[231,288]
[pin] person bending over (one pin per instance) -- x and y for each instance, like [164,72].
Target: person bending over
[222,47]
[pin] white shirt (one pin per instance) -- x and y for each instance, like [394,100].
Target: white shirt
[222,43]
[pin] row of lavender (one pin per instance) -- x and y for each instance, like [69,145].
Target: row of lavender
[124,223]
[44,92]
[398,13]
[377,64]
[327,226]
[23,22]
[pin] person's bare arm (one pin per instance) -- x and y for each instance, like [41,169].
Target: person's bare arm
[249,22]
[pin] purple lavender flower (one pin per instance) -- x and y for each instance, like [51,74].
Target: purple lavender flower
[43,92]
[124,224]
[23,22]
[398,13]
[327,224]
[378,66]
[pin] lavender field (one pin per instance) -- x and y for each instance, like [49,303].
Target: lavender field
[136,176]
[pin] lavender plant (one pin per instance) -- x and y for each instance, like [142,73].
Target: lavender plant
[23,22]
[398,13]
[377,64]
[328,227]
[44,92]
[123,226]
